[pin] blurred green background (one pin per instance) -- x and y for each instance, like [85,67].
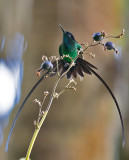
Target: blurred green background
[82,125]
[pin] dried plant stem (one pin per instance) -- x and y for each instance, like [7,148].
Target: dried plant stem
[35,135]
[41,122]
[37,129]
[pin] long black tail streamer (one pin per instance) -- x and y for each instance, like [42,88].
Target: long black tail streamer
[117,105]
[21,107]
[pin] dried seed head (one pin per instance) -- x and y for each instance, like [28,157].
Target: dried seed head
[46,65]
[103,33]
[56,95]
[92,55]
[37,101]
[70,87]
[71,80]
[73,88]
[61,57]
[122,33]
[109,45]
[42,113]
[46,76]
[44,58]
[98,36]
[38,73]
[52,58]
[46,93]
[35,123]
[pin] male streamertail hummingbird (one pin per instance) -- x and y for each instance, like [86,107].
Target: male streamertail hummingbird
[68,49]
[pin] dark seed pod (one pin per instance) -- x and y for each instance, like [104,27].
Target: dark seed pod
[97,36]
[109,45]
[47,65]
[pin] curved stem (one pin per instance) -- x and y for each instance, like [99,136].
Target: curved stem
[41,122]
[35,135]
[45,114]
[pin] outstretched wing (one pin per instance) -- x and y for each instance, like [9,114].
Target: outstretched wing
[78,69]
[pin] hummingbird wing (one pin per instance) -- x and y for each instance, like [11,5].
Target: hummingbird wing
[25,100]
[69,74]
[117,105]
[78,69]
[85,69]
[74,72]
[85,63]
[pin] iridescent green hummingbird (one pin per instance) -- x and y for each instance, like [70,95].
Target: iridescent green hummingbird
[69,46]
[68,49]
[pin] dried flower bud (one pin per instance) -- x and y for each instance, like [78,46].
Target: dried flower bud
[109,45]
[44,58]
[38,74]
[92,55]
[37,101]
[46,93]
[73,88]
[103,33]
[122,33]
[97,36]
[35,123]
[47,65]
[52,58]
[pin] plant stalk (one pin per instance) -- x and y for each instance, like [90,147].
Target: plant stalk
[35,135]
[46,112]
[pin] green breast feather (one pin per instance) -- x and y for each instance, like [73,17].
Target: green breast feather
[70,53]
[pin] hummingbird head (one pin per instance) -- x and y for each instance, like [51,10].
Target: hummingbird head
[67,36]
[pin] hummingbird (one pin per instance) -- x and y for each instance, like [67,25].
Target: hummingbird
[69,49]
